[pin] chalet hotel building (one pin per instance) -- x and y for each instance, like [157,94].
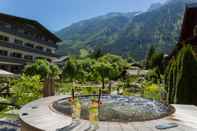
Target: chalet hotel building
[22,41]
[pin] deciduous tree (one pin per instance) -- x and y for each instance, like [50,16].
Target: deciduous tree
[47,71]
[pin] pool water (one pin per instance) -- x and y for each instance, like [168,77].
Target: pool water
[119,108]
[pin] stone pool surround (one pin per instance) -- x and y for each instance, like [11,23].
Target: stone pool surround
[39,116]
[58,107]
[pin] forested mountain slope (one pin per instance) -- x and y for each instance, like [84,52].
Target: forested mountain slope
[127,33]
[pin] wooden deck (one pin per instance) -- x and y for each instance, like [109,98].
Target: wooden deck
[38,116]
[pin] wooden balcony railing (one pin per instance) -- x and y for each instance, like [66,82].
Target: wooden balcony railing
[28,37]
[25,49]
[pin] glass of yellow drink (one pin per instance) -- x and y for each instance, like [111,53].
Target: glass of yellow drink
[76,109]
[94,114]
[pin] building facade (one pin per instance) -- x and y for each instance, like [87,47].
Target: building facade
[188,34]
[22,41]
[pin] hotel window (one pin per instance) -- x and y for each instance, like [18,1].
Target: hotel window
[39,48]
[5,24]
[16,55]
[8,26]
[50,41]
[21,31]
[39,37]
[28,57]
[4,38]
[4,67]
[3,53]
[19,42]
[30,26]
[28,33]
[15,69]
[43,38]
[49,50]
[29,45]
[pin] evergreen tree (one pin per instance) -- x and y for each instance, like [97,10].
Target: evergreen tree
[181,77]
[156,61]
[149,55]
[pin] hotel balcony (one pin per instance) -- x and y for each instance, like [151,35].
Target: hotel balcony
[13,60]
[29,37]
[25,49]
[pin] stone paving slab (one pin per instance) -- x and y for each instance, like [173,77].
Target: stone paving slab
[43,118]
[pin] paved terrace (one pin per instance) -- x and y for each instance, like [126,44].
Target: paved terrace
[39,116]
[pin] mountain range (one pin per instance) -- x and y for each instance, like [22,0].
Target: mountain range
[127,34]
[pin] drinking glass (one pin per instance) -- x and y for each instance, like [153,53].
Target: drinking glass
[94,114]
[76,109]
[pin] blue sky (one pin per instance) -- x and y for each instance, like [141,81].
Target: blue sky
[56,14]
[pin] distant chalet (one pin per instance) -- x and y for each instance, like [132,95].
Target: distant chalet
[189,29]
[22,41]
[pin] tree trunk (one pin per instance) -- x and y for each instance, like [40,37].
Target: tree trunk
[48,89]
[52,86]
[110,86]
[103,83]
[118,90]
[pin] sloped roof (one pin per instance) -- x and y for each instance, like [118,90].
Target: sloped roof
[31,22]
[189,21]
[191,5]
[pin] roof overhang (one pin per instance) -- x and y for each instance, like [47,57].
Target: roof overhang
[189,21]
[31,22]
